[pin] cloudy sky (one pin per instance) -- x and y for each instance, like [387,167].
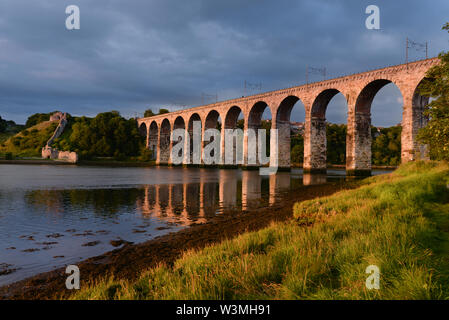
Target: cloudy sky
[130,55]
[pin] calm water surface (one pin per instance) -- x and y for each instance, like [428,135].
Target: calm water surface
[52,216]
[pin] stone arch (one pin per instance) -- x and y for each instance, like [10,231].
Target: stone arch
[164,142]
[285,108]
[143,129]
[251,151]
[194,142]
[321,102]
[359,140]
[315,142]
[282,123]
[232,116]
[255,114]
[179,123]
[367,94]
[153,138]
[212,122]
[233,141]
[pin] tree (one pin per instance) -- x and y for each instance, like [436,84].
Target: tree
[386,146]
[336,143]
[436,85]
[106,135]
[163,111]
[297,154]
[3,125]
[38,118]
[148,113]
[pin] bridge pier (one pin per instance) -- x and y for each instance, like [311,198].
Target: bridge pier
[413,119]
[315,145]
[358,144]
[280,145]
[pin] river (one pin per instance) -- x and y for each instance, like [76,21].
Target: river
[52,216]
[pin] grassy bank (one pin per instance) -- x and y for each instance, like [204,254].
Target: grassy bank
[399,222]
[28,142]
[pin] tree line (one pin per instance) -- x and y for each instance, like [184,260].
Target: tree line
[106,135]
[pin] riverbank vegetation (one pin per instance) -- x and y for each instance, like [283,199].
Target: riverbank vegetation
[106,137]
[398,222]
[29,141]
[8,129]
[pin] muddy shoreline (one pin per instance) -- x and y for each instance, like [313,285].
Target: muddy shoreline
[130,260]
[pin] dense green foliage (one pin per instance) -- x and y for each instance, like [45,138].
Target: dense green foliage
[386,147]
[106,135]
[148,113]
[297,148]
[398,222]
[436,85]
[38,118]
[336,143]
[8,129]
[3,125]
[29,142]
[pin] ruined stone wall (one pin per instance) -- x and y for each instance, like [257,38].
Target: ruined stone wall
[52,153]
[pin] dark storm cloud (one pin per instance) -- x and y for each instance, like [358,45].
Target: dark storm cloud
[130,55]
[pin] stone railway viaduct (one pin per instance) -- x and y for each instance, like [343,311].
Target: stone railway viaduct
[359,91]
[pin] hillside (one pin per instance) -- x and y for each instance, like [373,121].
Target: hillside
[8,129]
[108,135]
[29,142]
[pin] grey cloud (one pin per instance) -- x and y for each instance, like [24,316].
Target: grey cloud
[130,55]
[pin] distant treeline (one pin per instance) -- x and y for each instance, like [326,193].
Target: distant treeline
[38,118]
[9,126]
[106,135]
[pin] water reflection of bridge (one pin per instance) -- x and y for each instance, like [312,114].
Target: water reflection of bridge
[195,202]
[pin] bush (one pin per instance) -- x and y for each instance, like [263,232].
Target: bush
[146,155]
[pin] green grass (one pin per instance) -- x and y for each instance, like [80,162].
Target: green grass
[28,142]
[399,222]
